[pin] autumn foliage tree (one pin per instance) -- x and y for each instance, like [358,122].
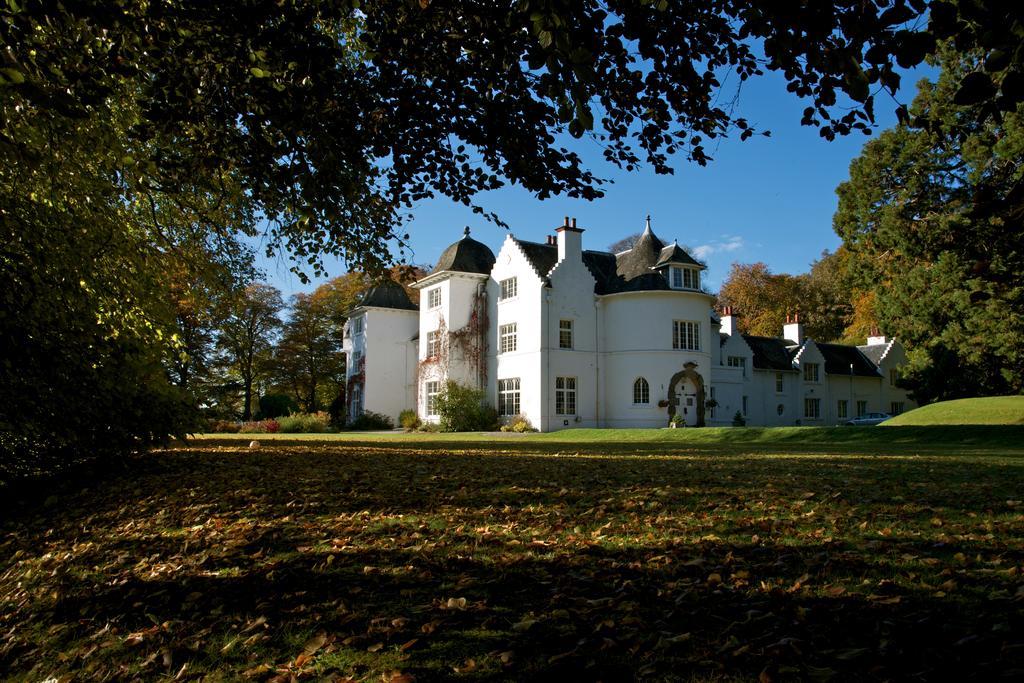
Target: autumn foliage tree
[247,337]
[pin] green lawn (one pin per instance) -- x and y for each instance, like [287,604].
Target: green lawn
[990,410]
[854,554]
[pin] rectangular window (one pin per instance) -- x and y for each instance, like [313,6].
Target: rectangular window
[356,356]
[843,410]
[862,408]
[357,401]
[738,362]
[685,335]
[896,407]
[507,338]
[509,288]
[744,405]
[430,392]
[434,297]
[811,372]
[779,382]
[357,325]
[812,408]
[508,396]
[894,376]
[433,343]
[565,334]
[691,278]
[565,395]
[677,278]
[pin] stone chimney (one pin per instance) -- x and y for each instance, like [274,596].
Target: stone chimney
[793,329]
[876,337]
[730,321]
[570,241]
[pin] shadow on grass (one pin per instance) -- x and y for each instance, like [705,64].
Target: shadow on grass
[856,567]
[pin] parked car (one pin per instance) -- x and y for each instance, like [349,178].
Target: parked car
[868,419]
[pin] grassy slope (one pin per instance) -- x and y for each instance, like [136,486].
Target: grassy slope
[703,554]
[991,410]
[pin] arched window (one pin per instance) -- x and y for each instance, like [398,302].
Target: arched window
[641,391]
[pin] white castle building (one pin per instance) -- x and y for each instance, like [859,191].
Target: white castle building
[570,337]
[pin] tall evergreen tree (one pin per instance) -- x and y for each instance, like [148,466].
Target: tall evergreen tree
[935,225]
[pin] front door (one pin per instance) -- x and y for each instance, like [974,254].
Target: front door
[686,402]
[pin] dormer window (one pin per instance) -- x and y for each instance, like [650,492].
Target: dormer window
[684,278]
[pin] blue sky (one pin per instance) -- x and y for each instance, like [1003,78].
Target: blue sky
[765,199]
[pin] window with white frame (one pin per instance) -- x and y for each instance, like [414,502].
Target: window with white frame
[780,409]
[812,408]
[779,382]
[430,393]
[565,395]
[691,278]
[434,297]
[641,391]
[738,362]
[843,409]
[862,408]
[894,376]
[744,405]
[357,325]
[509,288]
[684,278]
[357,401]
[433,343]
[507,338]
[565,334]
[508,396]
[811,372]
[356,357]
[685,335]
[896,407]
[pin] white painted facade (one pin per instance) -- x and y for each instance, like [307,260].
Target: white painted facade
[591,339]
[381,357]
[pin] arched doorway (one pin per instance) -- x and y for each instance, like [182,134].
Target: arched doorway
[686,396]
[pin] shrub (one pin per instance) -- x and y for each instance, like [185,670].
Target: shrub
[305,423]
[276,405]
[738,420]
[371,420]
[429,427]
[225,426]
[408,419]
[518,423]
[462,409]
[259,427]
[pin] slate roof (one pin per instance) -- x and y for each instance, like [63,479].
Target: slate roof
[771,353]
[673,253]
[466,256]
[874,352]
[838,359]
[387,294]
[628,271]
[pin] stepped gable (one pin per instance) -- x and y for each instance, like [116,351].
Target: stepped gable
[466,256]
[387,294]
[771,353]
[839,358]
[874,352]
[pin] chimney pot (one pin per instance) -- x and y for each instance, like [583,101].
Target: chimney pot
[574,222]
[566,222]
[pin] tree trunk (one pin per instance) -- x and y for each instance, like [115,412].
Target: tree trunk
[247,407]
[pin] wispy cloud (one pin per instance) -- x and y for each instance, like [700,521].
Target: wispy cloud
[724,245]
